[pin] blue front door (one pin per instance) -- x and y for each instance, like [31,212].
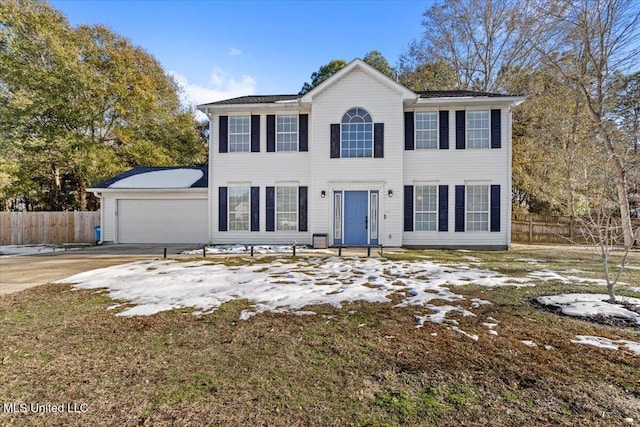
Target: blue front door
[356,221]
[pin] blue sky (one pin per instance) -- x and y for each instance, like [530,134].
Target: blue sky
[222,49]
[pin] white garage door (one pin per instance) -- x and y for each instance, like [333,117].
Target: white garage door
[162,221]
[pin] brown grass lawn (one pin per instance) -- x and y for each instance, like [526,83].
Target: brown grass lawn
[363,364]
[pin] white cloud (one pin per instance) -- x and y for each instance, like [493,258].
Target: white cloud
[221,85]
[234,51]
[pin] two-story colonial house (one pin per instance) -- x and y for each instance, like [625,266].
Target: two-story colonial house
[359,159]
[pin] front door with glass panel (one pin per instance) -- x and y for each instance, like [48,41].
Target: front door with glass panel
[355,220]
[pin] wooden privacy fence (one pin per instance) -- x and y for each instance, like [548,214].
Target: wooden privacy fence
[544,229]
[25,228]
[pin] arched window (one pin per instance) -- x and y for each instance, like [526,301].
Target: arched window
[357,133]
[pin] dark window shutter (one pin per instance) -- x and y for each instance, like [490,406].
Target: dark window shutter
[495,129]
[270,204]
[255,134]
[495,208]
[459,207]
[302,208]
[255,208]
[223,137]
[408,131]
[222,208]
[303,132]
[378,140]
[443,208]
[460,130]
[335,140]
[444,131]
[271,133]
[408,208]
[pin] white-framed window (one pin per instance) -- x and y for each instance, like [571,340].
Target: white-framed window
[357,133]
[426,207]
[426,129]
[478,129]
[477,207]
[286,208]
[239,208]
[239,133]
[287,133]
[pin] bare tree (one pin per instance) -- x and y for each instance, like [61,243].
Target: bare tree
[483,41]
[588,41]
[601,227]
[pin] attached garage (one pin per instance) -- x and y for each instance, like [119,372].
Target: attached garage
[155,205]
[161,221]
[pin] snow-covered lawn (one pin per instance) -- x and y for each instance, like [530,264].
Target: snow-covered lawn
[148,287]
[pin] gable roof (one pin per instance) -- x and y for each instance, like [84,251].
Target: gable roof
[359,64]
[175,177]
[455,96]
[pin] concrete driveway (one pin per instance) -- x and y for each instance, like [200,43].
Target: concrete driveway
[22,272]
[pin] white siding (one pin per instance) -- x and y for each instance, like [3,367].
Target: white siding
[458,167]
[358,89]
[179,216]
[261,169]
[316,170]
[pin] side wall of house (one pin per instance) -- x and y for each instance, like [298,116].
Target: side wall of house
[256,169]
[460,167]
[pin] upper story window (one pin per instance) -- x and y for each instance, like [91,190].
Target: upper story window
[357,133]
[287,133]
[477,129]
[239,133]
[426,129]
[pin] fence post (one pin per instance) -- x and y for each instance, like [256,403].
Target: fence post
[530,229]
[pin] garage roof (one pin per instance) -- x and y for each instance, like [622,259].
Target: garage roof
[158,178]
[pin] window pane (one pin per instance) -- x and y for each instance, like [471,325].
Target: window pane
[357,134]
[287,133]
[286,208]
[477,208]
[239,137]
[426,129]
[239,208]
[477,129]
[426,205]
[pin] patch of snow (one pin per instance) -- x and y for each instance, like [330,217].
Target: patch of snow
[24,250]
[529,343]
[601,342]
[440,314]
[492,332]
[288,287]
[169,178]
[549,347]
[257,249]
[587,305]
[528,260]
[548,275]
[472,336]
[635,289]
[489,325]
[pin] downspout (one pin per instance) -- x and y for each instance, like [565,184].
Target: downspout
[509,169]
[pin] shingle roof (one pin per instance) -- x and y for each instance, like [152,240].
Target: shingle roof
[200,183]
[255,99]
[456,94]
[270,99]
